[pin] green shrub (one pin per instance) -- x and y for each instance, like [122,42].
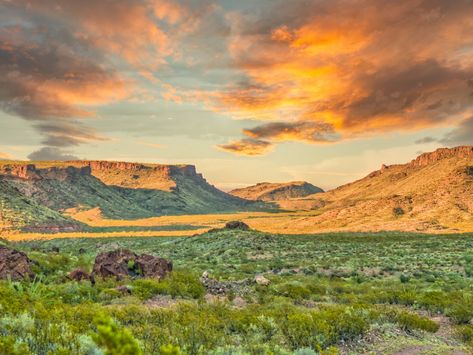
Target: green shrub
[113,340]
[465,332]
[411,321]
[148,288]
[461,313]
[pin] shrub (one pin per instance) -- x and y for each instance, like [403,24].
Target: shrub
[113,340]
[461,313]
[465,332]
[411,321]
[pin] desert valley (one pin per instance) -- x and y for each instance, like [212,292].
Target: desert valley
[222,177]
[430,194]
[129,258]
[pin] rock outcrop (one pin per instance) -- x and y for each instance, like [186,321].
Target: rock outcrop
[152,266]
[215,287]
[237,225]
[462,152]
[123,263]
[15,265]
[80,275]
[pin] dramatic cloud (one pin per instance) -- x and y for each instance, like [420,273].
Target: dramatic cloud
[50,153]
[60,60]
[247,146]
[363,67]
[314,71]
[308,131]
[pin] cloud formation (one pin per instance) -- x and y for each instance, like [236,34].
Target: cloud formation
[59,61]
[307,131]
[362,67]
[247,146]
[51,153]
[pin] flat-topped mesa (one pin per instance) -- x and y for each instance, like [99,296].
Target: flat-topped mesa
[137,175]
[465,152]
[104,165]
[31,172]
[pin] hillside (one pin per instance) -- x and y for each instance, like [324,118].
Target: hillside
[266,191]
[432,192]
[33,194]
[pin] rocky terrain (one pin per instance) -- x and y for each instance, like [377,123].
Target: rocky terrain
[34,196]
[432,192]
[267,191]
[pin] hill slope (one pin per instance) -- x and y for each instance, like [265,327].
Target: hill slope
[432,192]
[32,194]
[266,191]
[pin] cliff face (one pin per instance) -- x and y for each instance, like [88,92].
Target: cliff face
[120,190]
[463,152]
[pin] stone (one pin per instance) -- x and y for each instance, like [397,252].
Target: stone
[15,265]
[261,280]
[237,225]
[122,263]
[153,266]
[79,275]
[117,263]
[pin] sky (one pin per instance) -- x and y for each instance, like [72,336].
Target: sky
[248,91]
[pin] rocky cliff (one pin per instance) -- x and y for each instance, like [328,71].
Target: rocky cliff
[120,190]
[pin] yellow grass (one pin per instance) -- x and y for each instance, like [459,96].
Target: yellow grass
[42,236]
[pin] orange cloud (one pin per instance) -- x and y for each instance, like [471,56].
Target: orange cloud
[247,146]
[363,68]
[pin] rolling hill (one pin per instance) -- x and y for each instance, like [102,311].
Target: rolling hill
[266,191]
[432,192]
[34,195]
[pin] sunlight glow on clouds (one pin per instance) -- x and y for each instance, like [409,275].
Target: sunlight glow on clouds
[312,71]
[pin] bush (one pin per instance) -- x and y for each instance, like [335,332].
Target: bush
[461,313]
[465,332]
[178,284]
[113,340]
[411,321]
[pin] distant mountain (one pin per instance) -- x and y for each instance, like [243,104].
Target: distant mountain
[432,192]
[266,191]
[33,195]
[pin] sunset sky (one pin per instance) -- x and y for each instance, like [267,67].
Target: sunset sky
[248,91]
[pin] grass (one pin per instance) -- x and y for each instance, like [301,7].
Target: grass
[329,293]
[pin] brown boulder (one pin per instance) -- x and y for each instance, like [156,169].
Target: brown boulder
[14,264]
[117,263]
[152,266]
[79,275]
[237,225]
[123,263]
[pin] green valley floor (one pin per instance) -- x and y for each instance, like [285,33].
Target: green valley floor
[345,293]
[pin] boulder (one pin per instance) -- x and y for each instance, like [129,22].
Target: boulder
[261,280]
[122,263]
[125,290]
[153,266]
[237,225]
[79,275]
[14,265]
[216,287]
[117,263]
